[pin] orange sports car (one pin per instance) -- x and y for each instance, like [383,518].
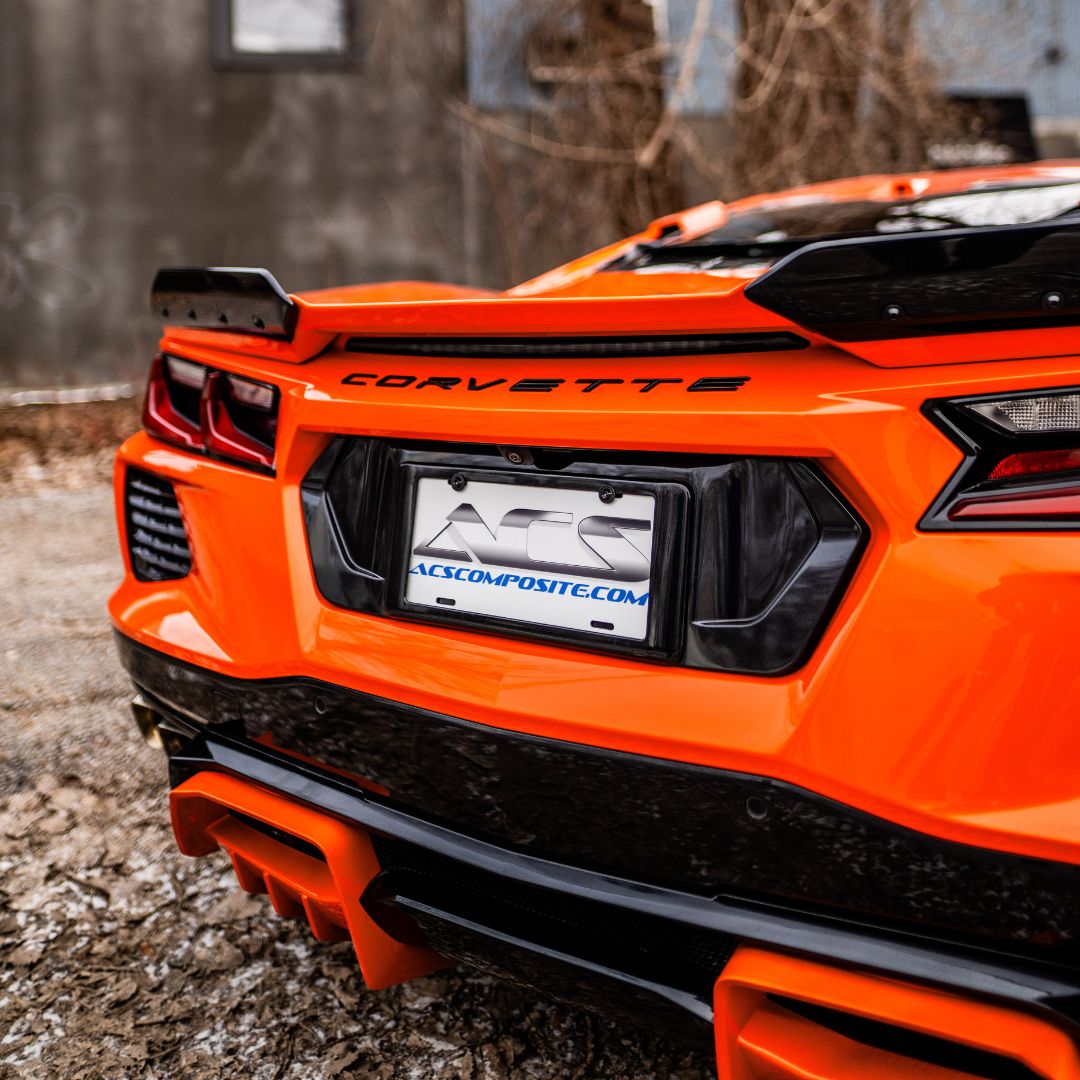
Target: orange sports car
[688,631]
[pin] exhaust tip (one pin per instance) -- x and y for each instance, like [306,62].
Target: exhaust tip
[148,720]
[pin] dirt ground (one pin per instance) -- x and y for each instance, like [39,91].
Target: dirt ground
[121,958]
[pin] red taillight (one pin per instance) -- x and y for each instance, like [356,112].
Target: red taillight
[1060,504]
[212,411]
[1035,462]
[1021,466]
[171,411]
[239,419]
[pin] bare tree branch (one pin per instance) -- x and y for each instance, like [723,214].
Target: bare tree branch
[504,129]
[646,157]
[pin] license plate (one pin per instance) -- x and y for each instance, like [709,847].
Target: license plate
[551,556]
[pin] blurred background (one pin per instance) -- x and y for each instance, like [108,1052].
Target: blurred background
[480,141]
[341,141]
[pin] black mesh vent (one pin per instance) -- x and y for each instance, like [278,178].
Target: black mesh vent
[157,541]
[641,945]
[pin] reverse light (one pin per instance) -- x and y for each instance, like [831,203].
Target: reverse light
[1021,467]
[252,394]
[215,412]
[1037,414]
[186,373]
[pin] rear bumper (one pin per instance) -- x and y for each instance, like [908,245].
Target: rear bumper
[363,850]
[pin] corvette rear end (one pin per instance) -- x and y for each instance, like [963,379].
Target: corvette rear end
[686,632]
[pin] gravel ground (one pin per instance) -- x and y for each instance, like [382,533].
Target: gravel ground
[121,958]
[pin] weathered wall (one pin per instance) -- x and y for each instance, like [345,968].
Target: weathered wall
[122,149]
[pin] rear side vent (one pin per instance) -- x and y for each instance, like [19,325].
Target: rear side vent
[157,540]
[935,1055]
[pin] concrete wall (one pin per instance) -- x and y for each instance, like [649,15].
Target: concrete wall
[122,149]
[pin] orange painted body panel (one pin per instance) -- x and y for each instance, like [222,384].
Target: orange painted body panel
[941,696]
[758,1039]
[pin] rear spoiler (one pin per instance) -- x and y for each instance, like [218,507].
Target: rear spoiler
[893,298]
[433,319]
[238,298]
[944,297]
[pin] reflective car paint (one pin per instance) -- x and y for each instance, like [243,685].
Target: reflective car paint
[941,696]
[892,712]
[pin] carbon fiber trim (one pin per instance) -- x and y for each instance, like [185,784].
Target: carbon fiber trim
[238,298]
[950,281]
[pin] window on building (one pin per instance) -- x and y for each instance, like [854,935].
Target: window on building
[282,34]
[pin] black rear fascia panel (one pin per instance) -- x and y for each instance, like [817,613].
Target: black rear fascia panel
[371,476]
[950,281]
[984,445]
[781,639]
[609,812]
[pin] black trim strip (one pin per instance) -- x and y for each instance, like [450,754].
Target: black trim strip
[559,347]
[1042,992]
[691,1004]
[658,952]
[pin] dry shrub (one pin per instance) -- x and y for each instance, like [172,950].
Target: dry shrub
[830,88]
[603,71]
[822,88]
[36,436]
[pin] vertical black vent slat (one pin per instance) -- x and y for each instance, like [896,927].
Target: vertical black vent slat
[157,540]
[645,946]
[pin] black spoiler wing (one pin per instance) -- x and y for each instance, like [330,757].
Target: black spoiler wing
[924,285]
[238,298]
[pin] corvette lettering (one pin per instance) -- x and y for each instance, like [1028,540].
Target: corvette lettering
[715,384]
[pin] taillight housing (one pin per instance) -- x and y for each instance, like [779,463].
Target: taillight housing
[171,410]
[1021,468]
[213,412]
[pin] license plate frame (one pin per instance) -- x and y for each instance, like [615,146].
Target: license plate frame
[661,639]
